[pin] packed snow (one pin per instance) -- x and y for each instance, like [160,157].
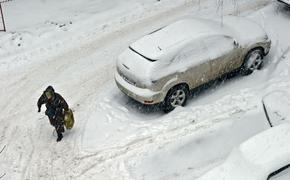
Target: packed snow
[73,46]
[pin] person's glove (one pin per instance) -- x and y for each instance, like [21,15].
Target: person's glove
[38,110]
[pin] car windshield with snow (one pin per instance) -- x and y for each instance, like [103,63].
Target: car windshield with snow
[163,66]
[265,156]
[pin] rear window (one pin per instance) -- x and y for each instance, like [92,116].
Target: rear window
[152,60]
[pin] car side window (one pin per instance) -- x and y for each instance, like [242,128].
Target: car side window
[193,52]
[281,174]
[219,45]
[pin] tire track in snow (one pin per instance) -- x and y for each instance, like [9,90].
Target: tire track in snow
[93,163]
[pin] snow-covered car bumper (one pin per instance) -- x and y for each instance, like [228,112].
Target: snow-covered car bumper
[144,96]
[287,2]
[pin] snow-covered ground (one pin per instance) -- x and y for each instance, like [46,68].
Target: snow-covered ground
[73,46]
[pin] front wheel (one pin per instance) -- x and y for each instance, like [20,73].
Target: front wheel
[177,96]
[253,61]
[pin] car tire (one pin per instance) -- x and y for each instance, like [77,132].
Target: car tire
[253,61]
[176,96]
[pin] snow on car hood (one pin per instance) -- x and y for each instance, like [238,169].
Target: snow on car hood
[170,38]
[257,157]
[269,149]
[245,30]
[234,168]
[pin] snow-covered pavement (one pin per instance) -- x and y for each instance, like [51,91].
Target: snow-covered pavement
[114,137]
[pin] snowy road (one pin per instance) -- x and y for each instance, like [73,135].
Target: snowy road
[116,138]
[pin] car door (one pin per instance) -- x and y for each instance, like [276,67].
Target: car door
[281,174]
[192,63]
[224,53]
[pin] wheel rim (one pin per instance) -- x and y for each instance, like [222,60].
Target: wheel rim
[177,98]
[254,61]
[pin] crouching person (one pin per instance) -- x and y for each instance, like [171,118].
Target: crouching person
[56,107]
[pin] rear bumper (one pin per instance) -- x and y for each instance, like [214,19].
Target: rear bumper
[144,96]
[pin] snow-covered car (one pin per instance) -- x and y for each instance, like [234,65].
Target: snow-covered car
[164,65]
[265,156]
[276,105]
[287,2]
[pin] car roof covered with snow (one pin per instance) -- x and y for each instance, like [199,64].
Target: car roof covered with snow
[256,158]
[176,35]
[170,39]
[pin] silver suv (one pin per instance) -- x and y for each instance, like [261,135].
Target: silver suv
[163,66]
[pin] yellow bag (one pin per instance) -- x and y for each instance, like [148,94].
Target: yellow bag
[69,119]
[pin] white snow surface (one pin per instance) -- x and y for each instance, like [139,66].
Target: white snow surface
[74,46]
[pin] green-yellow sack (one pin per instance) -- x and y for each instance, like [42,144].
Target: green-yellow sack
[69,119]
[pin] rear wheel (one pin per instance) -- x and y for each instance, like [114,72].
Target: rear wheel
[253,61]
[177,96]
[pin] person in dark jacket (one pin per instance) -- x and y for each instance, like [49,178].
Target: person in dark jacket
[55,109]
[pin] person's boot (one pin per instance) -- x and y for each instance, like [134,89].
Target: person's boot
[61,129]
[59,137]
